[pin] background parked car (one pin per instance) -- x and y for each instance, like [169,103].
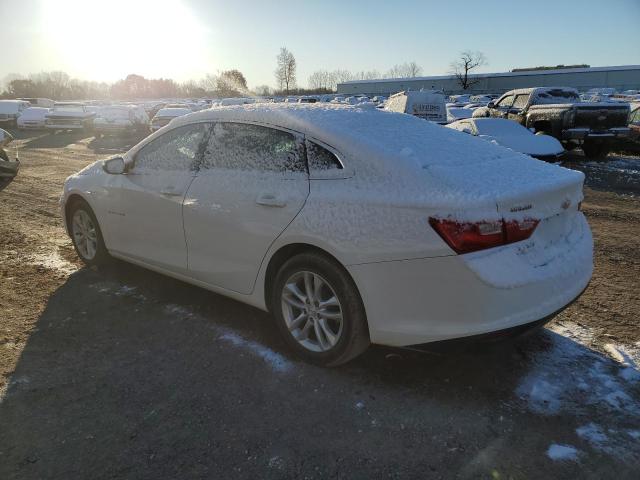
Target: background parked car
[558,111]
[165,115]
[33,118]
[10,110]
[511,135]
[69,116]
[8,166]
[120,119]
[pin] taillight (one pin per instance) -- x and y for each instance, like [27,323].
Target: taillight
[466,237]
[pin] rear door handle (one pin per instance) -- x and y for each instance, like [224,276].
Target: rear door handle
[270,200]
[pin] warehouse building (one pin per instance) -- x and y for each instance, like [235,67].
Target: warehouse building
[625,77]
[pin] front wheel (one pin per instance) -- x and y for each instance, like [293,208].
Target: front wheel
[86,234]
[319,311]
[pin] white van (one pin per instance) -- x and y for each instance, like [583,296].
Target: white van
[427,104]
[10,110]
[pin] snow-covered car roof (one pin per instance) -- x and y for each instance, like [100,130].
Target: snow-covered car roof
[173,112]
[539,90]
[424,161]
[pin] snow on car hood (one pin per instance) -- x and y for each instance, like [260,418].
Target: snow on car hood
[425,163]
[529,144]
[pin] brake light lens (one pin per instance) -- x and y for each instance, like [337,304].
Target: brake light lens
[466,237]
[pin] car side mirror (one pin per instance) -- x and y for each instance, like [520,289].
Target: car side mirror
[114,166]
[491,105]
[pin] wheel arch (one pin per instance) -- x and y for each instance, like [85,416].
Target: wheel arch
[72,199]
[284,253]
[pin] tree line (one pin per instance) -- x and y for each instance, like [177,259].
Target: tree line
[58,85]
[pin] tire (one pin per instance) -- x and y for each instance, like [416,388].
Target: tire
[594,150]
[350,333]
[86,235]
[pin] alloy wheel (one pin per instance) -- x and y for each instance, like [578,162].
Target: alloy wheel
[85,236]
[312,311]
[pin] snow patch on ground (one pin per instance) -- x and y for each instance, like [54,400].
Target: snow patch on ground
[273,359]
[570,377]
[621,444]
[53,261]
[276,361]
[562,452]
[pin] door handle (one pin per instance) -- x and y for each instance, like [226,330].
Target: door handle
[270,200]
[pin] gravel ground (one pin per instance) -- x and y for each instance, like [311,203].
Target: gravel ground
[123,373]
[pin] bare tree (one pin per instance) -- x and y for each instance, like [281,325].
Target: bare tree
[413,69]
[209,83]
[286,70]
[404,70]
[464,65]
[263,90]
[341,76]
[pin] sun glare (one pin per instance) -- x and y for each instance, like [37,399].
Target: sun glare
[100,40]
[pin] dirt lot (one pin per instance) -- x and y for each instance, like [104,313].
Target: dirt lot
[122,373]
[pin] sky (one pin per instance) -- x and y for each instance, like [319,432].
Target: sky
[105,40]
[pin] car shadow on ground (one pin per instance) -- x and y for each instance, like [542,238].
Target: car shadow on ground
[49,139]
[132,374]
[112,144]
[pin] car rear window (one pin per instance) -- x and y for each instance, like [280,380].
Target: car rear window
[321,159]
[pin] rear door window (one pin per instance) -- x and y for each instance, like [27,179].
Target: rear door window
[241,146]
[321,159]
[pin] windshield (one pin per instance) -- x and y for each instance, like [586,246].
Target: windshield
[496,127]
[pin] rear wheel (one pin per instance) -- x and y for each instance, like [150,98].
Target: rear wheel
[319,311]
[594,150]
[86,234]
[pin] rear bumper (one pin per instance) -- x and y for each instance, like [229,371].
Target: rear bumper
[584,133]
[506,334]
[426,300]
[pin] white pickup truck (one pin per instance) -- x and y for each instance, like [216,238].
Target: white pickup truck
[69,116]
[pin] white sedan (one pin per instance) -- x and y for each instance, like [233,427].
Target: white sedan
[512,135]
[351,226]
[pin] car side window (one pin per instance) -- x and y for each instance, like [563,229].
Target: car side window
[321,159]
[176,150]
[506,102]
[521,101]
[241,146]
